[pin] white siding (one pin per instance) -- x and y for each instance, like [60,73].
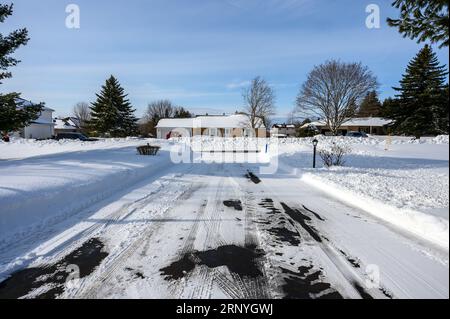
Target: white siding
[42,128]
[38,131]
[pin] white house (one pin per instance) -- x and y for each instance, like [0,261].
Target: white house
[42,127]
[370,125]
[66,125]
[283,130]
[236,125]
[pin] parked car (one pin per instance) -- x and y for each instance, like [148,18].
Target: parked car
[356,134]
[74,136]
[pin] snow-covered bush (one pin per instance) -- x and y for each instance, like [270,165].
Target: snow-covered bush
[441,139]
[334,155]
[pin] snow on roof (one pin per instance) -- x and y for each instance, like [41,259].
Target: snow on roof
[24,102]
[230,121]
[283,125]
[357,121]
[64,124]
[42,122]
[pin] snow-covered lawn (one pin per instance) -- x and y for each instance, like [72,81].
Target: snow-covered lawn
[56,179]
[20,148]
[404,182]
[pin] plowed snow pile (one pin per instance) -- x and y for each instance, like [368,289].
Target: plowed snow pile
[400,180]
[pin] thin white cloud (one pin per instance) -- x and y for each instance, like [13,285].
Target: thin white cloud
[152,92]
[297,7]
[237,85]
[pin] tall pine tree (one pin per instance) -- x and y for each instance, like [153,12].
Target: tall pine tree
[370,106]
[423,20]
[13,115]
[421,104]
[112,112]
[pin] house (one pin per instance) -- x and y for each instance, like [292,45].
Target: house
[283,130]
[42,127]
[66,125]
[236,125]
[369,125]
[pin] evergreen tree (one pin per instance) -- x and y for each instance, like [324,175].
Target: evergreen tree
[9,43]
[422,107]
[112,112]
[181,112]
[13,115]
[390,108]
[423,20]
[441,113]
[370,106]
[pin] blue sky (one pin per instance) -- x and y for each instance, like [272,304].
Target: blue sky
[198,53]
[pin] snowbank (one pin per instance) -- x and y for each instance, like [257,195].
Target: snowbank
[404,182]
[20,148]
[441,139]
[371,140]
[38,192]
[428,227]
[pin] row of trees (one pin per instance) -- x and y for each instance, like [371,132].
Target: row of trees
[334,90]
[337,91]
[111,114]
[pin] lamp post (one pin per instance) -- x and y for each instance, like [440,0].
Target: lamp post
[315,142]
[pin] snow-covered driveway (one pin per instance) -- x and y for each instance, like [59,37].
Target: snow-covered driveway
[218,231]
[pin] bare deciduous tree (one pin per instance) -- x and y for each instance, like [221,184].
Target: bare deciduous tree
[259,100]
[159,109]
[333,90]
[82,112]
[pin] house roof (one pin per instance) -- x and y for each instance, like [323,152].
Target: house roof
[29,103]
[283,126]
[65,124]
[360,121]
[230,121]
[42,123]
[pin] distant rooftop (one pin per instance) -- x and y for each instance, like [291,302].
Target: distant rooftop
[209,121]
[359,121]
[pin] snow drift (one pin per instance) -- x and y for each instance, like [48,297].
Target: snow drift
[431,228]
[36,193]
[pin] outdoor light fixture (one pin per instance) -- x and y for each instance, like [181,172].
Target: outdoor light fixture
[315,142]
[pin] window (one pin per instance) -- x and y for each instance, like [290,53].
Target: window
[248,132]
[212,132]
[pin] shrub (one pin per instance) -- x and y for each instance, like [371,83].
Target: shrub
[333,156]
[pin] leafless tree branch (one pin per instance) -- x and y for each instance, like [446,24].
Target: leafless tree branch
[259,99]
[333,90]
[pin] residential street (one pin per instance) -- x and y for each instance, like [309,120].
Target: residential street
[263,152]
[216,231]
